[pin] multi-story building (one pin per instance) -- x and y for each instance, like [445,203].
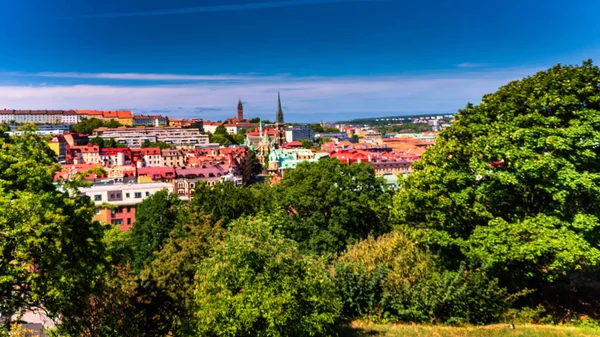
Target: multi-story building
[124,117]
[147,120]
[135,137]
[110,157]
[39,116]
[298,132]
[148,157]
[189,178]
[173,157]
[58,144]
[284,159]
[124,198]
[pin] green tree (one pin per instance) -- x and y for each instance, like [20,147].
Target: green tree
[174,267]
[226,202]
[155,217]
[324,140]
[50,249]
[392,278]
[513,186]
[162,145]
[257,167]
[255,120]
[331,204]
[97,141]
[307,144]
[112,124]
[257,283]
[87,125]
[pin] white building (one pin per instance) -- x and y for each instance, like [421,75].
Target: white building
[135,137]
[298,132]
[39,116]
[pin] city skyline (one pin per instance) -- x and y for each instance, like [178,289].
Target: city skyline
[330,59]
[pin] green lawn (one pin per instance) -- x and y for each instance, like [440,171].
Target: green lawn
[362,329]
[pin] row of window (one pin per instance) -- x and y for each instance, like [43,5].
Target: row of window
[117,196]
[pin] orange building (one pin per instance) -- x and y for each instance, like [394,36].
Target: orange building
[123,117]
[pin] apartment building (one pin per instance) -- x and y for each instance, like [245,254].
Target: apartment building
[148,157]
[124,198]
[146,120]
[124,117]
[39,116]
[135,137]
[173,157]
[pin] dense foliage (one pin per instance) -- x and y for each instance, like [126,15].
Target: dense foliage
[331,204]
[50,250]
[391,278]
[155,218]
[257,283]
[87,125]
[513,186]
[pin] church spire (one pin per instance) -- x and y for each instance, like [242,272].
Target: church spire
[240,112]
[279,117]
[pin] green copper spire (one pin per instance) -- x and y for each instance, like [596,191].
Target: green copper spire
[279,117]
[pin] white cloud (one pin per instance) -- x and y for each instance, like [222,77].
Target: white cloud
[366,95]
[471,65]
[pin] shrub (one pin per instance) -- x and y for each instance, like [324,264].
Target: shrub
[256,283]
[393,279]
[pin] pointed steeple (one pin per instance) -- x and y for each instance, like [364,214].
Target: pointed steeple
[279,117]
[240,112]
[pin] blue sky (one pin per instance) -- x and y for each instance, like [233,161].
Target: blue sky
[331,59]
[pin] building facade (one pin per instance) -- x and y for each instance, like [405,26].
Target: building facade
[135,137]
[124,198]
[39,116]
[298,132]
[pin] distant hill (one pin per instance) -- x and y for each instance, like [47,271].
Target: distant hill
[394,119]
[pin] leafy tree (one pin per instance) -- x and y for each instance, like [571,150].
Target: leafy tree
[257,283]
[174,267]
[50,249]
[323,140]
[307,144]
[355,138]
[112,143]
[392,278]
[124,305]
[87,125]
[255,120]
[257,167]
[155,218]
[161,145]
[112,124]
[513,186]
[97,141]
[225,201]
[331,204]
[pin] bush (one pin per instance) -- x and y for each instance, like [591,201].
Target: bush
[256,283]
[393,279]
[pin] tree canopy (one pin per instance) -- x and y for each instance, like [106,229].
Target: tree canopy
[256,283]
[155,218]
[513,185]
[50,250]
[87,125]
[331,204]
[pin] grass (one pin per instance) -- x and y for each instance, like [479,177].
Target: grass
[364,329]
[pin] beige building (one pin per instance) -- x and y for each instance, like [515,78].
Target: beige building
[173,157]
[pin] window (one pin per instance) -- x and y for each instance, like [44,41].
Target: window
[147,194]
[128,209]
[98,197]
[116,221]
[138,195]
[97,210]
[126,195]
[129,221]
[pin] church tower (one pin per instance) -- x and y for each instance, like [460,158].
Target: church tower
[240,115]
[279,125]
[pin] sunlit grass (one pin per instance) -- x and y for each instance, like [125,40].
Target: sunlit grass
[360,329]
